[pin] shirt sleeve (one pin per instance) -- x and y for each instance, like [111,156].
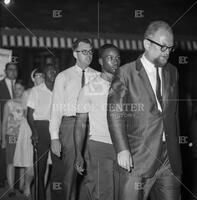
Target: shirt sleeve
[84,102]
[57,106]
[31,102]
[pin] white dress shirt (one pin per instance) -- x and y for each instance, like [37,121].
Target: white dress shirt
[66,90]
[9,85]
[40,100]
[93,100]
[151,72]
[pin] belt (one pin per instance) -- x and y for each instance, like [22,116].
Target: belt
[69,117]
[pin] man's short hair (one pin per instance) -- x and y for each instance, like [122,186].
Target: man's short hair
[104,47]
[154,26]
[10,63]
[76,43]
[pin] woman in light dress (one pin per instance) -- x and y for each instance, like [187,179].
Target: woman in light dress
[24,149]
[14,114]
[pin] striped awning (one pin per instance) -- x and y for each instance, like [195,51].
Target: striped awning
[21,38]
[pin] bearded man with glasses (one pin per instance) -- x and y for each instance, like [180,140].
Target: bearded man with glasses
[146,139]
[63,113]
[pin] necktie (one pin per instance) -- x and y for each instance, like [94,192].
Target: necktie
[83,78]
[158,87]
[12,88]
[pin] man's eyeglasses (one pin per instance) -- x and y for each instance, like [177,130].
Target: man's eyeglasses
[162,47]
[111,58]
[86,52]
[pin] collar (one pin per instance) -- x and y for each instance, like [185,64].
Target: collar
[8,80]
[44,87]
[78,69]
[149,67]
[104,80]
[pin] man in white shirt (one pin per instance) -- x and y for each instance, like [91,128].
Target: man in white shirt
[92,104]
[6,93]
[38,116]
[66,90]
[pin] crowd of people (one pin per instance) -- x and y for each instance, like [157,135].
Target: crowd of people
[109,135]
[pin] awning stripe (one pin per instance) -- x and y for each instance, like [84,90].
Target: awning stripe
[121,44]
[28,41]
[4,40]
[55,42]
[140,46]
[133,45]
[69,42]
[19,41]
[34,41]
[102,41]
[12,41]
[128,45]
[62,42]
[194,45]
[108,41]
[41,41]
[96,43]
[48,42]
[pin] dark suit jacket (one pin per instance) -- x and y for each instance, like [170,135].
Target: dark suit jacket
[4,96]
[136,124]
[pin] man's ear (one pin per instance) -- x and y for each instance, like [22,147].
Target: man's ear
[146,44]
[75,54]
[100,61]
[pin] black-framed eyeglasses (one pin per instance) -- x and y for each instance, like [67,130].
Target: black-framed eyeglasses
[162,47]
[111,58]
[86,52]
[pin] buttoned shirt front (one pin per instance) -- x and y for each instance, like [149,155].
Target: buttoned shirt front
[9,85]
[66,90]
[151,72]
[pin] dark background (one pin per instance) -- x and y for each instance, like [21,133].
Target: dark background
[111,17]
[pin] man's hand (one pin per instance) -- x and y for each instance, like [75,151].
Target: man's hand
[125,160]
[34,139]
[56,147]
[79,163]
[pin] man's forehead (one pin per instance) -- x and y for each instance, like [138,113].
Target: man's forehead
[84,45]
[164,36]
[12,66]
[111,51]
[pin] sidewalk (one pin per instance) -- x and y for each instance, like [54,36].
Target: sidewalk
[4,195]
[5,191]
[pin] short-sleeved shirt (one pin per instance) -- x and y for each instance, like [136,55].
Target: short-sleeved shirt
[93,100]
[40,100]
